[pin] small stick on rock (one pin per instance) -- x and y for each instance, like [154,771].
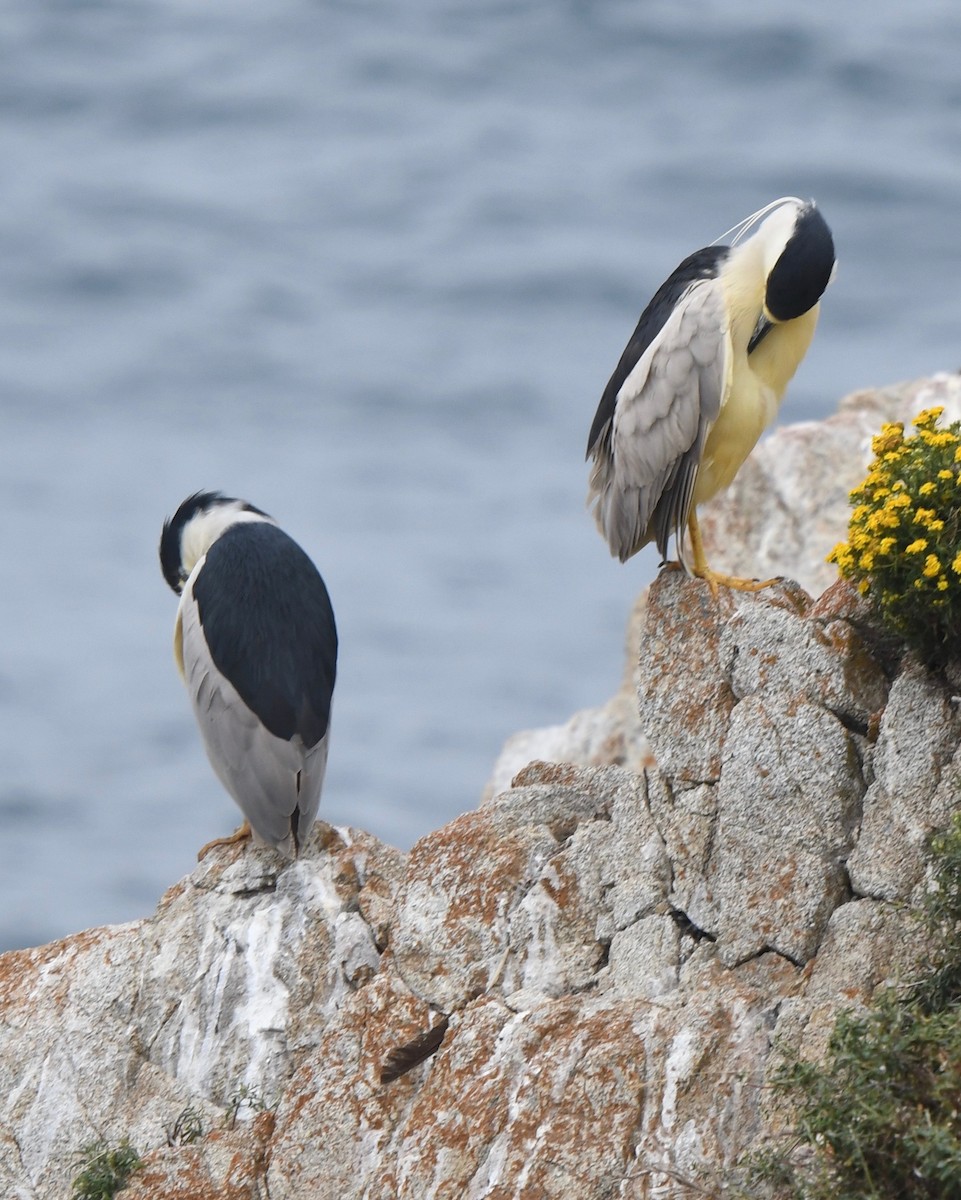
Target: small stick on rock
[405,1058]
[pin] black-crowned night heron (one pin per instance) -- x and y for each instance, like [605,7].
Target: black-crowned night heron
[256,645]
[702,378]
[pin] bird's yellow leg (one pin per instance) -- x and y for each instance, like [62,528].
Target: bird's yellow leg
[712,578]
[238,835]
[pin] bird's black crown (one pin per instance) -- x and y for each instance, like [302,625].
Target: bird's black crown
[171,562]
[799,277]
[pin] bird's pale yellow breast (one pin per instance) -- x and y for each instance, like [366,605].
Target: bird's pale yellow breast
[757,382]
[779,355]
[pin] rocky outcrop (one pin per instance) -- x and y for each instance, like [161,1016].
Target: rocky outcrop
[622,955]
[784,512]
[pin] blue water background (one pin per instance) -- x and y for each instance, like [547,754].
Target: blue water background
[369,266]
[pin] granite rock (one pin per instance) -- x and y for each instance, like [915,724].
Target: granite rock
[623,948]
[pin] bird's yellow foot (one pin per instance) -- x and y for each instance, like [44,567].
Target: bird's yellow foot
[715,581]
[238,835]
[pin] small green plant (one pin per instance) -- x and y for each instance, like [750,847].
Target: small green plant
[186,1129]
[904,537]
[882,1114]
[105,1170]
[245,1097]
[765,1174]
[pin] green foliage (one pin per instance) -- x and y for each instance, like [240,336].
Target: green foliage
[904,537]
[245,1097]
[883,1112]
[941,988]
[767,1174]
[105,1170]
[187,1128]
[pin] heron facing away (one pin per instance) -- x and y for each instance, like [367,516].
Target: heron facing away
[702,378]
[256,644]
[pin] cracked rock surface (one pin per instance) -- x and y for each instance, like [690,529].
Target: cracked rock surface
[622,949]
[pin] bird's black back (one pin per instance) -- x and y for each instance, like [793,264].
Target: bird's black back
[702,264]
[270,628]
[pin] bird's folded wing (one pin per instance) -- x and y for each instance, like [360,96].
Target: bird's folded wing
[664,411]
[269,777]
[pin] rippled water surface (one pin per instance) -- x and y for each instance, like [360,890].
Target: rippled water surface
[370,266]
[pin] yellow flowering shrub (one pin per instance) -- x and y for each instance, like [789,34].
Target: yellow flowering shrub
[904,537]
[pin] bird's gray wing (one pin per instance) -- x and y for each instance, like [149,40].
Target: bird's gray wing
[277,783]
[644,473]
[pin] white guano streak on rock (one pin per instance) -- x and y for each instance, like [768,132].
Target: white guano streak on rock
[501,934]
[264,1012]
[490,1172]
[198,1042]
[55,1105]
[311,889]
[563,1070]
[542,971]
[252,942]
[744,1032]
[539,1134]
[677,1065]
[344,833]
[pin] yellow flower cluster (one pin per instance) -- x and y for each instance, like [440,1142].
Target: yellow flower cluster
[904,536]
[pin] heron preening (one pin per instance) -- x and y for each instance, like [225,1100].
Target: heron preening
[256,644]
[702,378]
